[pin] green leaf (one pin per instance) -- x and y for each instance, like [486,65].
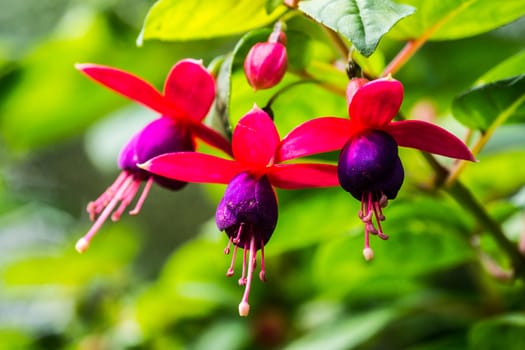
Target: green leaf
[24,22]
[362,22]
[398,259]
[63,107]
[347,333]
[420,230]
[15,339]
[189,20]
[512,66]
[272,5]
[454,19]
[503,332]
[491,105]
[224,334]
[496,175]
[327,211]
[220,113]
[67,268]
[193,280]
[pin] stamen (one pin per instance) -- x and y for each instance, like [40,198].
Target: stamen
[242,280]
[244,307]
[227,249]
[83,243]
[367,218]
[378,214]
[262,274]
[383,236]
[127,197]
[370,228]
[95,207]
[230,271]
[237,239]
[142,197]
[363,211]
[383,201]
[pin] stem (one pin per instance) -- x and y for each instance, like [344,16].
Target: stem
[338,43]
[412,46]
[325,85]
[403,56]
[466,199]
[286,88]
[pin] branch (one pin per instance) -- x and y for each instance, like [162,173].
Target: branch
[466,199]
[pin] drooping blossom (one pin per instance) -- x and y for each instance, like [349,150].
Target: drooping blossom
[188,94]
[266,62]
[248,210]
[369,166]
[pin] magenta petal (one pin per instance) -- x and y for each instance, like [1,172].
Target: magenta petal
[255,139]
[376,103]
[212,138]
[315,136]
[429,138]
[309,175]
[190,88]
[193,167]
[127,85]
[353,86]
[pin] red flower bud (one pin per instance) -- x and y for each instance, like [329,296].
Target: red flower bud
[266,63]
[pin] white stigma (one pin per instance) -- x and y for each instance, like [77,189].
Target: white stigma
[368,253]
[244,308]
[82,245]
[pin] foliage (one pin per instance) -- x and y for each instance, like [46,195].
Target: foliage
[449,277]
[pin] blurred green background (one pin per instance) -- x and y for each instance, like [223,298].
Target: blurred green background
[157,281]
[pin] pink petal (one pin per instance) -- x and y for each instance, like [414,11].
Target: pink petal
[190,88]
[255,139]
[309,175]
[315,136]
[376,103]
[212,138]
[127,85]
[429,138]
[193,167]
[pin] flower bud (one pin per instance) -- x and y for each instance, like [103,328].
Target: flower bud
[266,63]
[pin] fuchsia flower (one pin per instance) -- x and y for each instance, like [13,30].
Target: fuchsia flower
[188,94]
[369,166]
[266,63]
[248,210]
